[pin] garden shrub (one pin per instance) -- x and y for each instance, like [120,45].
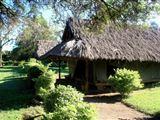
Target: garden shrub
[86,111]
[22,64]
[33,113]
[66,103]
[9,62]
[32,67]
[83,111]
[41,78]
[68,112]
[45,83]
[35,68]
[62,96]
[125,81]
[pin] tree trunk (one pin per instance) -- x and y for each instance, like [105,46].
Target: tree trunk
[1,60]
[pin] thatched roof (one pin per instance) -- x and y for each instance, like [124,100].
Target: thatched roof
[129,44]
[43,46]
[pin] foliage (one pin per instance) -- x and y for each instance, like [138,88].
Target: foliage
[41,77]
[6,55]
[45,83]
[66,103]
[62,96]
[100,10]
[8,63]
[146,100]
[35,29]
[86,111]
[68,112]
[35,113]
[125,81]
[14,103]
[24,50]
[33,68]
[5,38]
[83,111]
[125,11]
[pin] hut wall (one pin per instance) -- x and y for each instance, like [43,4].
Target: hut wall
[72,66]
[100,70]
[149,71]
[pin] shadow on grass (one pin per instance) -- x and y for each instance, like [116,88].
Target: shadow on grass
[17,83]
[15,99]
[15,94]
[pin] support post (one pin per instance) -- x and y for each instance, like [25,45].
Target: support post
[59,68]
[86,76]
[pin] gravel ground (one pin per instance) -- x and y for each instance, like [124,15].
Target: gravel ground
[109,107]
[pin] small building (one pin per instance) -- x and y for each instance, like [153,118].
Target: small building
[92,56]
[43,46]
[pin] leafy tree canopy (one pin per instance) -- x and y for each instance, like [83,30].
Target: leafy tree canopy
[35,29]
[124,11]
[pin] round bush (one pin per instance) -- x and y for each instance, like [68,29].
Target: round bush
[68,112]
[34,72]
[41,78]
[86,111]
[45,83]
[62,96]
[81,111]
[125,81]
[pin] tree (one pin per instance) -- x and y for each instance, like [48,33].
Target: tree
[124,11]
[99,11]
[6,37]
[35,29]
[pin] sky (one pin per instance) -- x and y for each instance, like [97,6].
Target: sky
[48,14]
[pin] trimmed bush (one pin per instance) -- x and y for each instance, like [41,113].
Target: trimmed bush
[45,83]
[62,96]
[86,111]
[33,113]
[41,79]
[83,111]
[35,68]
[68,112]
[125,81]
[66,103]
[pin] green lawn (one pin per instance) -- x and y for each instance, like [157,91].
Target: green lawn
[64,71]
[14,95]
[147,100]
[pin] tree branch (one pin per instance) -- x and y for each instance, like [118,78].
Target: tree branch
[108,9]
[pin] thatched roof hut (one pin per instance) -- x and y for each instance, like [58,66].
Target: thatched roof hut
[94,56]
[43,46]
[118,43]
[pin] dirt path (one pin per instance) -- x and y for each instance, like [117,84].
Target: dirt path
[109,107]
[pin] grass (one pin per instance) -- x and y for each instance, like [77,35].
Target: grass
[64,71]
[14,95]
[147,101]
